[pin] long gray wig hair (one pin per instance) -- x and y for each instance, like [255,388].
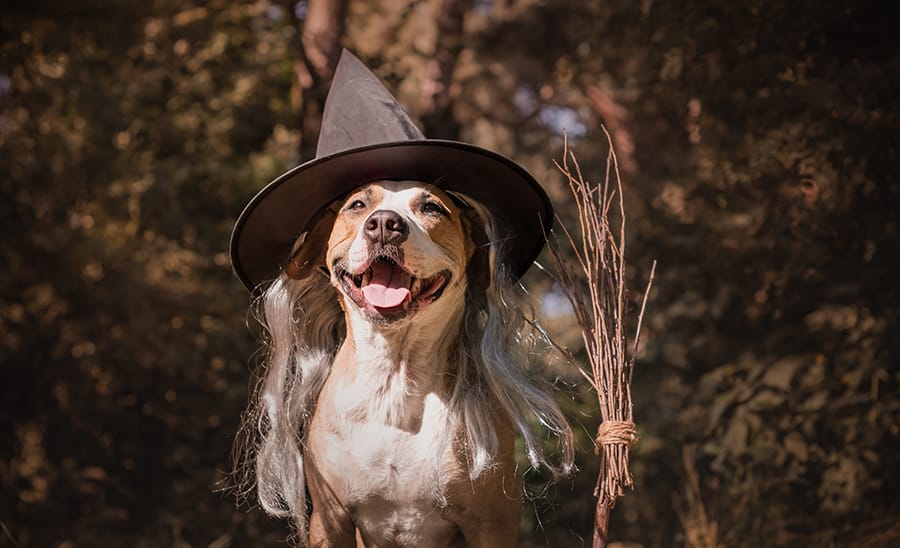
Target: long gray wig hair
[304,327]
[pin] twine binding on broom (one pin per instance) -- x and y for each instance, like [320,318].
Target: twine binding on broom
[616,433]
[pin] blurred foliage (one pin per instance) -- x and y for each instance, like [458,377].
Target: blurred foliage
[758,143]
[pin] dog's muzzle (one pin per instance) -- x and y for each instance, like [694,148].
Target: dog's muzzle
[385,290]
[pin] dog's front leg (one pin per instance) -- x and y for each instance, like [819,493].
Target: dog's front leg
[488,528]
[327,531]
[488,511]
[330,524]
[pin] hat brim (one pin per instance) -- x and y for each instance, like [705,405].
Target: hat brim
[268,227]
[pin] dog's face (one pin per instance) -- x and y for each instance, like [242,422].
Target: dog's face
[395,248]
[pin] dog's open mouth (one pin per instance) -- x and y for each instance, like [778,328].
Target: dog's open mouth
[389,289]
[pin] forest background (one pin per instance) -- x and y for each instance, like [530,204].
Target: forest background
[758,147]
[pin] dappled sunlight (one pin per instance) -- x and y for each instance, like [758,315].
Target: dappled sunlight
[757,155]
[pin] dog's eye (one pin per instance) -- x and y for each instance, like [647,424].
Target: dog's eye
[357,205]
[434,208]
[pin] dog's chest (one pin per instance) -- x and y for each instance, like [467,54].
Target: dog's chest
[389,474]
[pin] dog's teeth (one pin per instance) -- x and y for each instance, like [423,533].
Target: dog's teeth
[415,285]
[366,277]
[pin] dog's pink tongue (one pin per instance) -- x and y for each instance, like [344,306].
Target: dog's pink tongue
[387,288]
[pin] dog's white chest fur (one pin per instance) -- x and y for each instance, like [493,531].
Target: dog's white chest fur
[386,462]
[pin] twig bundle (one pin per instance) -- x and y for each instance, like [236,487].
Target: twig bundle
[596,288]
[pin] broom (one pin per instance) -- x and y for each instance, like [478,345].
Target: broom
[595,286]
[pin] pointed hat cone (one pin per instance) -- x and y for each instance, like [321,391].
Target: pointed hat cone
[366,135]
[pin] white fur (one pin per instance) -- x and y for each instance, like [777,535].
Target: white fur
[390,464]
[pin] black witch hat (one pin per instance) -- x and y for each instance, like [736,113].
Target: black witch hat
[366,135]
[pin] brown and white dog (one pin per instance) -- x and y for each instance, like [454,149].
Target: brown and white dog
[395,378]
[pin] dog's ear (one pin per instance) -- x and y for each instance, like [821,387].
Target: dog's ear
[478,271]
[309,251]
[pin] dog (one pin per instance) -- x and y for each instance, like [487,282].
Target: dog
[396,378]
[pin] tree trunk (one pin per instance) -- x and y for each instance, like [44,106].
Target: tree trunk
[318,51]
[435,103]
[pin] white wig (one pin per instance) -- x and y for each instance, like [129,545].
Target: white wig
[304,328]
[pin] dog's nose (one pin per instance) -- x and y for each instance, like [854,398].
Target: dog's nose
[386,227]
